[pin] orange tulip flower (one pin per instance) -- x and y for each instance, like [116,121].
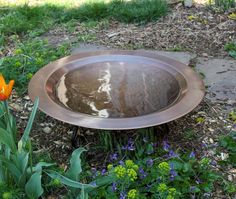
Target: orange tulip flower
[5,89]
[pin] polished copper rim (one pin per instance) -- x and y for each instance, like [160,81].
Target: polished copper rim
[192,92]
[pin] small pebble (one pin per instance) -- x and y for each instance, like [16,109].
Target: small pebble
[47,130]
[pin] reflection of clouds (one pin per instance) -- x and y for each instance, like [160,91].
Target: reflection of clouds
[101,113]
[106,85]
[61,91]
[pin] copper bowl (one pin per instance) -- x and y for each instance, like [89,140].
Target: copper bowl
[116,89]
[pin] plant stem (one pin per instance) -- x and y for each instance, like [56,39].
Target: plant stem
[7,116]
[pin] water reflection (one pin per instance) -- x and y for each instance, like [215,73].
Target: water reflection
[117,90]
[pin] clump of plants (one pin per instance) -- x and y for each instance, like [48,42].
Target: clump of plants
[28,58]
[156,173]
[231,49]
[20,176]
[224,4]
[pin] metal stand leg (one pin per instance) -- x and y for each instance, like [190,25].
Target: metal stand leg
[74,136]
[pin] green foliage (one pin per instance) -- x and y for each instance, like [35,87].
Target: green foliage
[24,19]
[228,142]
[231,49]
[71,177]
[223,4]
[29,57]
[16,166]
[137,11]
[160,174]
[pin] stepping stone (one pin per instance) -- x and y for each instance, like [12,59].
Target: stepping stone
[183,57]
[83,47]
[219,77]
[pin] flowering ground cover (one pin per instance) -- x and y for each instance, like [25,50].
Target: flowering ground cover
[195,159]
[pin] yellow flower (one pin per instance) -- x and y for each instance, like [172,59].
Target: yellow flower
[5,89]
[232,16]
[18,51]
[169,197]
[120,171]
[129,163]
[162,187]
[132,174]
[172,191]
[109,167]
[7,195]
[135,167]
[191,17]
[132,194]
[164,167]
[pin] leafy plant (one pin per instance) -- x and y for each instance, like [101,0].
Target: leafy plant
[231,49]
[228,142]
[156,173]
[28,58]
[225,4]
[16,166]
[72,177]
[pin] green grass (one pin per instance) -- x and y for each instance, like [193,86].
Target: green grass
[225,4]
[231,49]
[21,19]
[22,23]
[27,59]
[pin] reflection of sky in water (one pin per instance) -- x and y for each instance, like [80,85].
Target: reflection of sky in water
[62,88]
[101,113]
[106,88]
[105,80]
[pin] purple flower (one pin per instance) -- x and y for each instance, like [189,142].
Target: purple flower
[192,188]
[113,187]
[206,195]
[130,146]
[93,184]
[103,172]
[113,157]
[172,154]
[94,172]
[122,195]
[192,155]
[166,146]
[149,162]
[173,173]
[198,181]
[121,162]
[142,173]
[148,187]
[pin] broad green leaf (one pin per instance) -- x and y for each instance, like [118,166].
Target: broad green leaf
[15,172]
[105,180]
[25,137]
[33,187]
[75,165]
[66,181]
[7,139]
[39,166]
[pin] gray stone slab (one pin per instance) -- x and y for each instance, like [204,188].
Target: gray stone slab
[183,57]
[83,47]
[220,78]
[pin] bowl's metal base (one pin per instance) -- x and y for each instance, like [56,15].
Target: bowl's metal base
[162,129]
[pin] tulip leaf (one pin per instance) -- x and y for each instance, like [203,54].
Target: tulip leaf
[7,139]
[66,181]
[25,137]
[75,165]
[33,187]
